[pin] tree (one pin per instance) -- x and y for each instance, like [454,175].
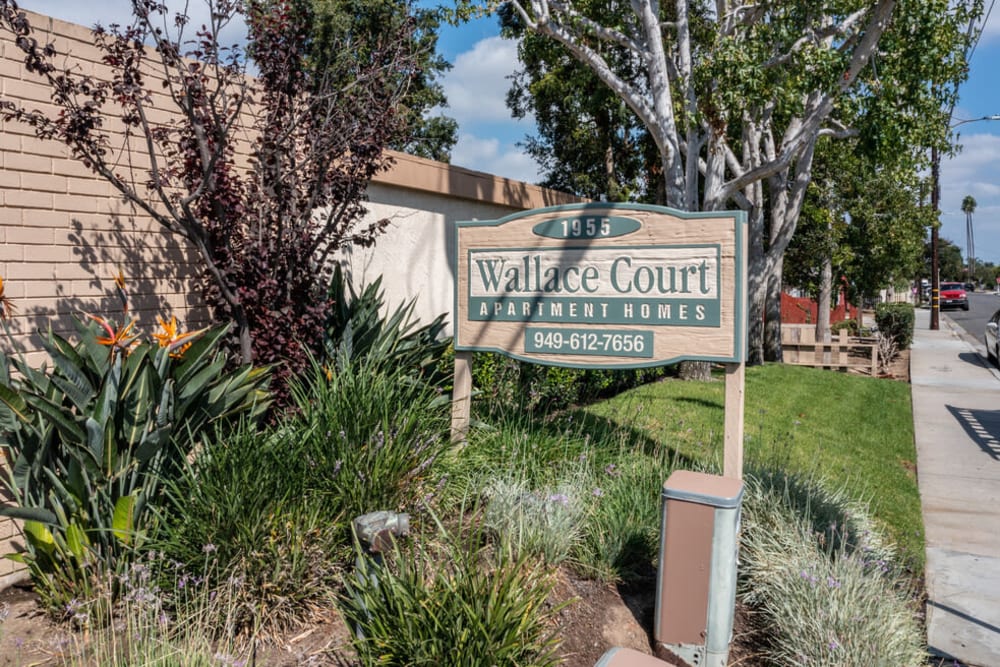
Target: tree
[589,142]
[735,96]
[262,230]
[950,263]
[968,208]
[862,219]
[369,23]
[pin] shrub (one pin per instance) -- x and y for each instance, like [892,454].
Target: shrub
[369,435]
[164,615]
[241,512]
[356,330]
[895,320]
[543,523]
[822,579]
[620,538]
[87,441]
[509,384]
[277,504]
[454,604]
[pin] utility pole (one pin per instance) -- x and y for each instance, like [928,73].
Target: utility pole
[936,207]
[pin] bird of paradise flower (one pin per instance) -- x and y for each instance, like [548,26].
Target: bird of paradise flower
[7,308]
[176,342]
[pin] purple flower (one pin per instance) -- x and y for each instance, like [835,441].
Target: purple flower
[834,645]
[598,492]
[209,548]
[560,498]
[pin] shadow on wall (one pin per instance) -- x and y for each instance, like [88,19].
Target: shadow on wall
[161,275]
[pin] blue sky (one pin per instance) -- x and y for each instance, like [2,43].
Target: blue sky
[478,82]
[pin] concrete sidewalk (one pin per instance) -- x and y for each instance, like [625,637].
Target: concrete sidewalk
[956,415]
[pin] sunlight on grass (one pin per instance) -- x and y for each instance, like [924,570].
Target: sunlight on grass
[853,431]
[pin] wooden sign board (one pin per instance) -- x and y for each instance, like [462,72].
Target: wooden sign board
[603,285]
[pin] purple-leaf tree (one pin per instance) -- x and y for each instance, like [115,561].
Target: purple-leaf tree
[264,175]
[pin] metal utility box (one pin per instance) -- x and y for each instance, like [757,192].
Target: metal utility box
[626,657]
[696,579]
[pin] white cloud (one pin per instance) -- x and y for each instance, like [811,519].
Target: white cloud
[494,157]
[120,12]
[477,84]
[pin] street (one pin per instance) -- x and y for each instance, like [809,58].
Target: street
[982,305]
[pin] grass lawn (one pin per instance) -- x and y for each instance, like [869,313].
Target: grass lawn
[851,431]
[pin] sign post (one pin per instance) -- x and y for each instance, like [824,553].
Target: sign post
[605,286]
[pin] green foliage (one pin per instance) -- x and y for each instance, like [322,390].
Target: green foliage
[508,384]
[951,266]
[620,542]
[589,142]
[276,504]
[798,419]
[573,488]
[241,511]
[88,440]
[357,330]
[369,435]
[822,579]
[347,31]
[862,212]
[454,604]
[895,320]
[157,613]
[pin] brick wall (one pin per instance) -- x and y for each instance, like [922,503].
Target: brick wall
[803,310]
[65,231]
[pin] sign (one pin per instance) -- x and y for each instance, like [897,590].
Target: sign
[603,285]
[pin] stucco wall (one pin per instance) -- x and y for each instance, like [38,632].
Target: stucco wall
[65,232]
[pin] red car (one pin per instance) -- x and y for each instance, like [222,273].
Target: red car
[952,295]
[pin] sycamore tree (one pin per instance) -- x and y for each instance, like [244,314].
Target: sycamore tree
[735,96]
[187,114]
[588,141]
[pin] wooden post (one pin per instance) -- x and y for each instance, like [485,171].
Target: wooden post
[461,397]
[732,463]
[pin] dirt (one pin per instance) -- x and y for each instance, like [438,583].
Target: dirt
[898,368]
[599,617]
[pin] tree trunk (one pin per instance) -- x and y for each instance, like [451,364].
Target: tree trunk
[823,306]
[772,315]
[695,370]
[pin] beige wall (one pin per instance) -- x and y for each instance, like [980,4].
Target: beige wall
[423,200]
[64,233]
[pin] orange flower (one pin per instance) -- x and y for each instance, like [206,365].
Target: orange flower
[119,279]
[121,339]
[6,305]
[171,338]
